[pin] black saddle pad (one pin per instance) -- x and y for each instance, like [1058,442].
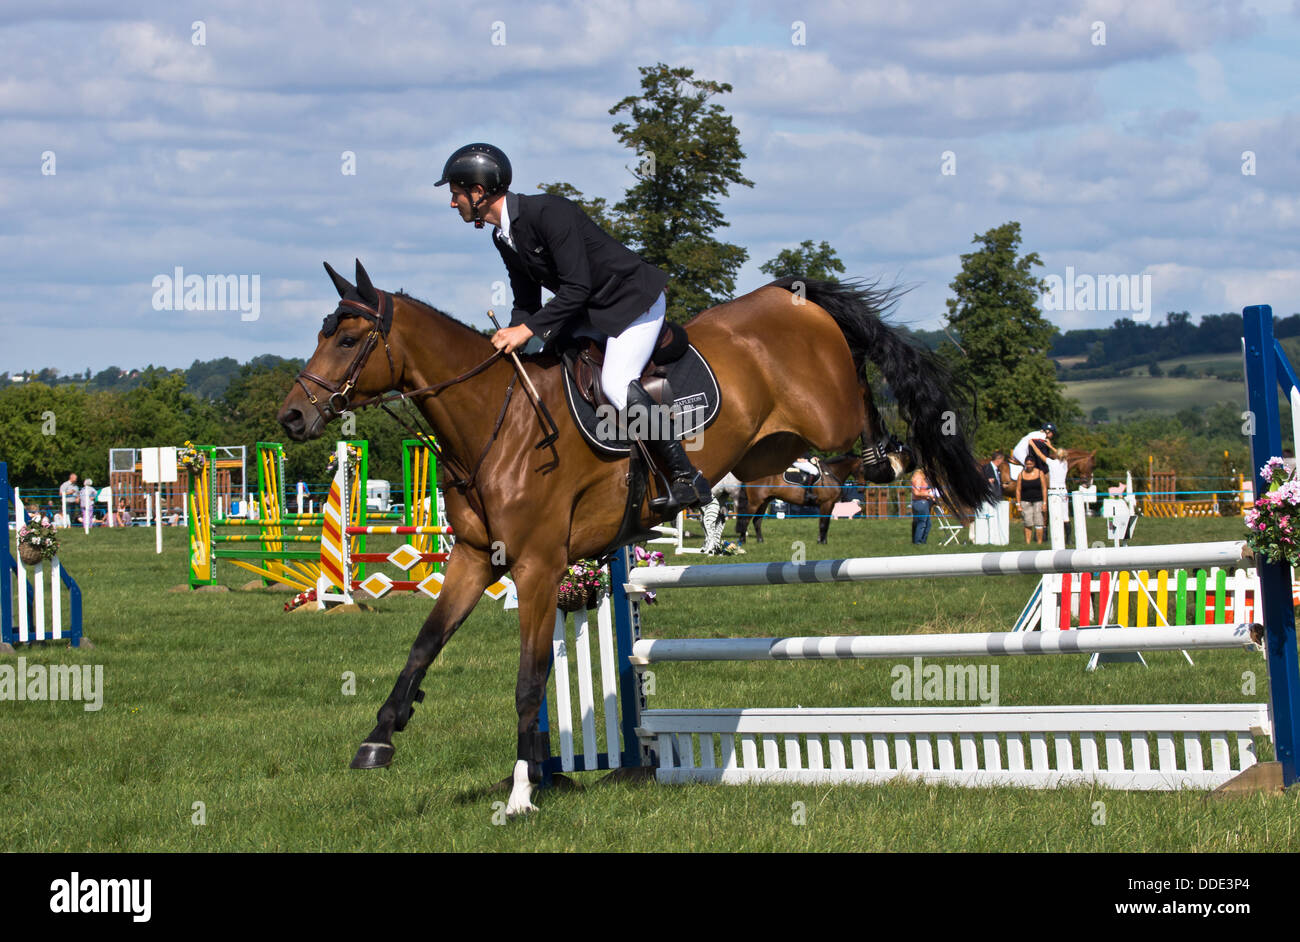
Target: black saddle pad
[695,393]
[794,477]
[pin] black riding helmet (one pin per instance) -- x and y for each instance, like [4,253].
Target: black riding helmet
[478,164]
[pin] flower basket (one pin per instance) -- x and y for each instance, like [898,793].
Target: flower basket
[583,586]
[36,541]
[571,598]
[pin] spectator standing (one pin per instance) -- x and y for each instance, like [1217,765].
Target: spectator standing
[1058,493]
[69,497]
[993,471]
[88,505]
[1030,491]
[923,497]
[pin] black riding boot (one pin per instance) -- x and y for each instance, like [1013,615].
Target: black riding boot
[687,486]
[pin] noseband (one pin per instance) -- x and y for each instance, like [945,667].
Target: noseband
[381,316]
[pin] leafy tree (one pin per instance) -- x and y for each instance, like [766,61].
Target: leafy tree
[690,154]
[45,433]
[1002,340]
[805,261]
[1154,369]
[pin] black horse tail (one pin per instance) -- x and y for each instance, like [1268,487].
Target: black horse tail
[929,399]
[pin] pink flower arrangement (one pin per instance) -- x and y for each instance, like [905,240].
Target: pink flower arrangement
[1270,530]
[583,586]
[645,557]
[40,534]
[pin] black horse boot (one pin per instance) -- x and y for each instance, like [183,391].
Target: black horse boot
[687,486]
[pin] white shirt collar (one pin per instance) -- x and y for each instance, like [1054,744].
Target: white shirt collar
[504,228]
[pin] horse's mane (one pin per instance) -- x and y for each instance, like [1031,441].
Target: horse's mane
[430,309]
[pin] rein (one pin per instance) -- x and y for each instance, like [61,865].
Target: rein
[381,316]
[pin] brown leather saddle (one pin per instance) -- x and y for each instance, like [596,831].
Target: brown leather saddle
[585,367]
[677,377]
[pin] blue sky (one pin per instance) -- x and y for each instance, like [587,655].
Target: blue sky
[225,158]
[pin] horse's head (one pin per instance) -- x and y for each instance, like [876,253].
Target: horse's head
[343,370]
[1082,464]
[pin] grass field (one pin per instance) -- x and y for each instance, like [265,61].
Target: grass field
[223,699]
[1125,395]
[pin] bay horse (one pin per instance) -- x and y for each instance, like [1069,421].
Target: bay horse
[756,495]
[1079,464]
[790,361]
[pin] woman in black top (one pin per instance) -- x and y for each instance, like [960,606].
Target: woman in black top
[1030,495]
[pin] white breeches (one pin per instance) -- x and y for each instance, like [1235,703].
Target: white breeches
[627,354]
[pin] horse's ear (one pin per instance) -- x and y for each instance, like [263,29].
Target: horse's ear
[340,282]
[364,287]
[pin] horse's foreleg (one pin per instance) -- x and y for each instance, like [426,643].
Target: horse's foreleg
[824,524]
[469,572]
[536,587]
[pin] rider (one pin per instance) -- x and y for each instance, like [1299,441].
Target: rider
[602,289]
[1040,441]
[809,465]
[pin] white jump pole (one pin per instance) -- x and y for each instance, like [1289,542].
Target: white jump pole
[987,644]
[1187,555]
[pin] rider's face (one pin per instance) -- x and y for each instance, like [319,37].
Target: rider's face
[461,200]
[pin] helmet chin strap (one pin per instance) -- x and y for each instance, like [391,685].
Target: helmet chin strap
[474,208]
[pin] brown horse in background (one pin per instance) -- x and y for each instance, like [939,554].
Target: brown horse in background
[756,495]
[790,362]
[1079,464]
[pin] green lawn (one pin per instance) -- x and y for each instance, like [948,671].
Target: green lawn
[1218,362]
[223,699]
[1128,394]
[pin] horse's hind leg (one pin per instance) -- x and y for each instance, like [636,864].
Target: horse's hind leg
[469,572]
[756,518]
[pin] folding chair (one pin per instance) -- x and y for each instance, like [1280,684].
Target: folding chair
[947,524]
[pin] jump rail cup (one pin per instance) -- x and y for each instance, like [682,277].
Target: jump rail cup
[31,624]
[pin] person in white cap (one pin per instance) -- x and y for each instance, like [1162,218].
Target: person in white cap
[88,505]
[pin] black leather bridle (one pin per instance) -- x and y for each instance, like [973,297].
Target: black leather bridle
[381,318]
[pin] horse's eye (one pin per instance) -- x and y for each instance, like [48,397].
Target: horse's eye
[347,341]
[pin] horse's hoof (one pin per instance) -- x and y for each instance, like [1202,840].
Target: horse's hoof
[373,755]
[518,810]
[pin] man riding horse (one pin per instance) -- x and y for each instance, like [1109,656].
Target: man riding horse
[602,290]
[790,358]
